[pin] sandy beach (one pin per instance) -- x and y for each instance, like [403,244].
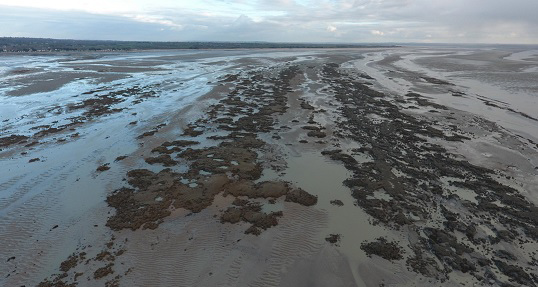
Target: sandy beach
[407,166]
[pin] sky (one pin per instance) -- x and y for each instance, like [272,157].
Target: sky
[335,21]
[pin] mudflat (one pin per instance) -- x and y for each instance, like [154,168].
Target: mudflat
[329,167]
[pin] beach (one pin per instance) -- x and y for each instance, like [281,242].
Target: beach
[404,166]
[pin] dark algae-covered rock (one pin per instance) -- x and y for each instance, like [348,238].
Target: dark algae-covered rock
[333,238]
[382,248]
[230,166]
[418,175]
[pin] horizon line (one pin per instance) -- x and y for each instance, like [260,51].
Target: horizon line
[276,42]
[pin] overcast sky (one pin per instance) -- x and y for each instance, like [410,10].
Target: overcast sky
[447,21]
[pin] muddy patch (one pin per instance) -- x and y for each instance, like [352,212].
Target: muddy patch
[73,270]
[12,139]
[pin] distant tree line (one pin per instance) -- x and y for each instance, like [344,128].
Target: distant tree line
[15,44]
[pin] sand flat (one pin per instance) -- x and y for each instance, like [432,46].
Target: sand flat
[346,167]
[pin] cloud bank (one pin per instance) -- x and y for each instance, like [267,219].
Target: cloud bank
[351,21]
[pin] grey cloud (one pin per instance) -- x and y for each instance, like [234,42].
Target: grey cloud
[300,21]
[25,22]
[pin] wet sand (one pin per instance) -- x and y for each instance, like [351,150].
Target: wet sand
[364,167]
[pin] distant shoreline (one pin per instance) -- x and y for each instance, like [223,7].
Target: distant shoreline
[72,52]
[40,45]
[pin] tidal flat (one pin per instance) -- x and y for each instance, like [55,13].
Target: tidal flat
[405,166]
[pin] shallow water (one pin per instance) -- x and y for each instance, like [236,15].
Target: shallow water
[64,189]
[483,74]
[324,178]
